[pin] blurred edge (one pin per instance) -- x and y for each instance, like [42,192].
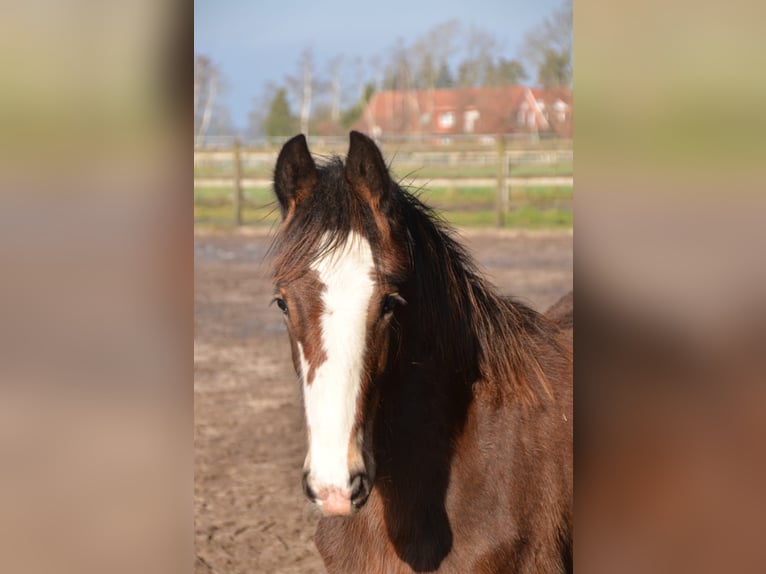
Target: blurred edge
[96,299]
[671,286]
[96,296]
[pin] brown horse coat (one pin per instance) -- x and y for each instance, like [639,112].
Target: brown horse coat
[463,427]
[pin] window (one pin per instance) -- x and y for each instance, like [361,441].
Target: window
[446,120]
[561,110]
[521,115]
[469,120]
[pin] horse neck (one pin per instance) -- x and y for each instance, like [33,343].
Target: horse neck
[425,397]
[459,330]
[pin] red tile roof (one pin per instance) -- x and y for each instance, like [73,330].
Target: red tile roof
[420,111]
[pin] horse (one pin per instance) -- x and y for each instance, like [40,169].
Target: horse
[438,413]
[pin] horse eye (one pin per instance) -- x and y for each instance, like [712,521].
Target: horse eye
[281,304]
[391,301]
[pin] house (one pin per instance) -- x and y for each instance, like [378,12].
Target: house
[504,109]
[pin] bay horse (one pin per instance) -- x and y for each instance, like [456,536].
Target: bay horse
[438,413]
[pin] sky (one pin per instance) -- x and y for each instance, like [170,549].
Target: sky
[259,41]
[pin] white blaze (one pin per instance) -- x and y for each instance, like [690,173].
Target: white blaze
[331,397]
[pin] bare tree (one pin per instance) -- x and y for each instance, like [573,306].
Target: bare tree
[400,76]
[206,82]
[398,71]
[378,75]
[429,56]
[357,68]
[259,111]
[302,86]
[432,52]
[334,69]
[548,48]
[481,47]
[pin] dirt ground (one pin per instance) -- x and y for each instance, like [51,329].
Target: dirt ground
[250,513]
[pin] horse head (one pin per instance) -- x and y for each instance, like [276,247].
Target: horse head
[338,273]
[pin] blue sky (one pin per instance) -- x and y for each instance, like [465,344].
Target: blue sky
[256,42]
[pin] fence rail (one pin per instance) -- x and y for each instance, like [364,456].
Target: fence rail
[526,140]
[466,181]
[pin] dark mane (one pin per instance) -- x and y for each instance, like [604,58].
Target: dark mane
[475,319]
[486,336]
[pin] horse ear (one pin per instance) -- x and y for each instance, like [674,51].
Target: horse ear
[366,171]
[295,174]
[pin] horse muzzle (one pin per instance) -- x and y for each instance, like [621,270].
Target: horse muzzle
[336,501]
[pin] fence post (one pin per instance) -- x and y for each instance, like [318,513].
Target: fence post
[502,191]
[237,200]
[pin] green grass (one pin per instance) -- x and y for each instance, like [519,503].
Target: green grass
[255,194]
[563,169]
[528,217]
[484,195]
[227,170]
[214,205]
[223,215]
[531,207]
[487,170]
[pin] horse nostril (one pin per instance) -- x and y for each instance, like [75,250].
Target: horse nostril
[307,490]
[360,489]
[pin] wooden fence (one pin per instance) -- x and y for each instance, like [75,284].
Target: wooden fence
[505,168]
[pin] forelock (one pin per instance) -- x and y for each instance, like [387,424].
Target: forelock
[323,223]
